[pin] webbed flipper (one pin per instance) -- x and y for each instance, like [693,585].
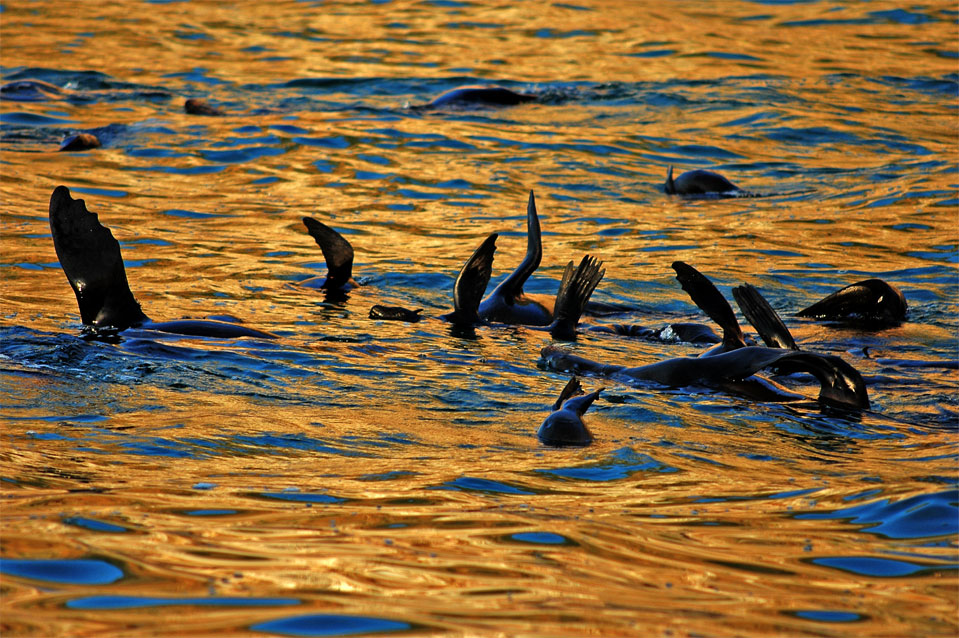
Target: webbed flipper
[574,291]
[471,283]
[512,287]
[91,260]
[708,298]
[763,318]
[337,252]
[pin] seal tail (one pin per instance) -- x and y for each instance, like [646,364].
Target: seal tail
[708,298]
[574,291]
[471,283]
[91,260]
[512,286]
[337,252]
[763,318]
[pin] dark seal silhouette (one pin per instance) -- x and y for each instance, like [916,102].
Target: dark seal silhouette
[337,252]
[467,97]
[565,426]
[700,183]
[871,302]
[91,260]
[80,142]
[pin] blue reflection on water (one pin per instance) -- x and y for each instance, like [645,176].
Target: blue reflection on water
[74,572]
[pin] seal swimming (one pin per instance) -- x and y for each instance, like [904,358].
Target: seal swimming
[702,183]
[871,303]
[565,426]
[90,258]
[465,97]
[575,288]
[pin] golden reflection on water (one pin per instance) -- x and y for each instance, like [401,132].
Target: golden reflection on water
[714,547]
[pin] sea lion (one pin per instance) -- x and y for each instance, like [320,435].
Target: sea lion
[91,260]
[702,183]
[338,254]
[80,142]
[465,97]
[575,288]
[841,385]
[197,106]
[871,302]
[565,426]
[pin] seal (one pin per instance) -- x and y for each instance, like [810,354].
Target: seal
[90,258]
[841,385]
[565,426]
[80,142]
[703,184]
[197,106]
[466,97]
[575,288]
[337,252]
[870,303]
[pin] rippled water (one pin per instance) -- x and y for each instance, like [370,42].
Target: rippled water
[361,477]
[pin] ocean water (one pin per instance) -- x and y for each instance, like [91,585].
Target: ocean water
[361,477]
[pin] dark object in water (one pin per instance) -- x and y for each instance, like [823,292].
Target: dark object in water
[871,302]
[197,106]
[91,260]
[702,183]
[80,142]
[478,96]
[395,313]
[338,254]
[565,426]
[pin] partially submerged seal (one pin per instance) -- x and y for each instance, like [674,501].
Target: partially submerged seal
[565,426]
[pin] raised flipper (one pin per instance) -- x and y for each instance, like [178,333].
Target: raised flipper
[574,291]
[565,425]
[763,318]
[337,252]
[871,301]
[670,186]
[471,284]
[512,287]
[708,298]
[90,258]
[841,385]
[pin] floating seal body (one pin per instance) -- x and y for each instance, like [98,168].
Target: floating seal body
[80,142]
[478,96]
[338,254]
[91,260]
[196,106]
[870,302]
[841,385]
[565,426]
[702,183]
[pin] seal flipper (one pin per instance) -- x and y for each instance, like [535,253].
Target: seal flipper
[670,185]
[708,298]
[574,292]
[572,389]
[91,260]
[471,284]
[512,287]
[841,385]
[870,301]
[763,318]
[337,252]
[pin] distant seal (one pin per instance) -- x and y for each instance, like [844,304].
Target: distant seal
[565,426]
[80,142]
[871,302]
[702,183]
[91,260]
[197,106]
[337,252]
[464,97]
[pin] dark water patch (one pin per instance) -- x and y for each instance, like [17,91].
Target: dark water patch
[332,625]
[299,497]
[487,486]
[542,538]
[883,567]
[139,602]
[32,119]
[94,524]
[923,516]
[72,572]
[829,616]
[622,464]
